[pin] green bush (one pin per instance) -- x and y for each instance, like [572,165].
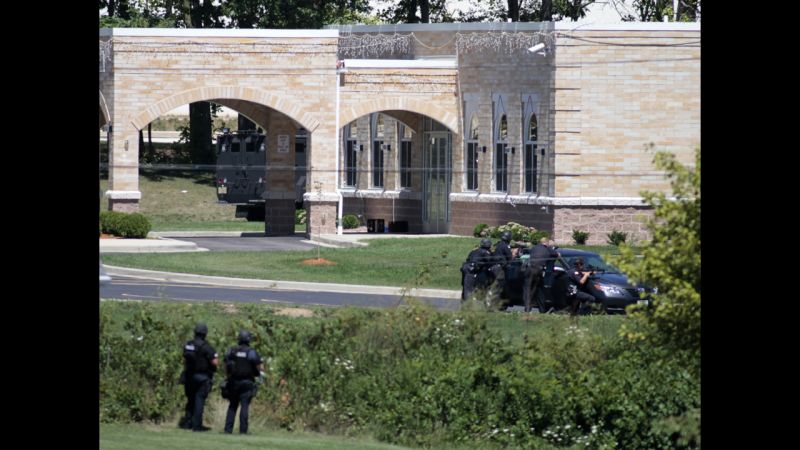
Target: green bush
[127,225]
[350,221]
[412,376]
[300,216]
[580,237]
[476,232]
[519,233]
[617,237]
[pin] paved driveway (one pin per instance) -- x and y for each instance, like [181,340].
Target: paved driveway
[255,242]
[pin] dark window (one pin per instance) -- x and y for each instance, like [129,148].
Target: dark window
[351,163]
[472,166]
[235,146]
[501,164]
[250,145]
[530,168]
[377,164]
[405,164]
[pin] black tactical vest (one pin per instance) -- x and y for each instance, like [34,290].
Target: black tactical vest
[195,361]
[241,368]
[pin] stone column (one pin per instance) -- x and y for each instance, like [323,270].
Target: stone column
[279,195]
[123,167]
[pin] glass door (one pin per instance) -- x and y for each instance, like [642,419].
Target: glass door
[436,182]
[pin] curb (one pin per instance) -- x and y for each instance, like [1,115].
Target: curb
[276,284]
[163,245]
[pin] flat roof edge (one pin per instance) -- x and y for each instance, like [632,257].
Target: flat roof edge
[400,63]
[218,32]
[517,26]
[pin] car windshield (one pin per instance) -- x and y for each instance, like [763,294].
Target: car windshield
[592,262]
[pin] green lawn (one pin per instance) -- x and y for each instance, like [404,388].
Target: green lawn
[133,436]
[429,263]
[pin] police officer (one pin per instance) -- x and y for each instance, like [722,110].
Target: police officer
[578,300]
[477,260]
[502,256]
[242,365]
[200,364]
[540,255]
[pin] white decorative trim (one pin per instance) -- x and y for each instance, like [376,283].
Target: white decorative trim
[541,200]
[400,64]
[218,32]
[124,195]
[326,197]
[583,25]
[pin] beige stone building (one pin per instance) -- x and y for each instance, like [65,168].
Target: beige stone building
[438,127]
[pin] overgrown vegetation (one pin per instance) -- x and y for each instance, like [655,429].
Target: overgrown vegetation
[617,237]
[412,376]
[520,233]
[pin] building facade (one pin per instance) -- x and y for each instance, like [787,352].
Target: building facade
[438,127]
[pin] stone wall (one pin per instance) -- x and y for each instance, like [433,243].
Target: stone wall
[599,222]
[465,215]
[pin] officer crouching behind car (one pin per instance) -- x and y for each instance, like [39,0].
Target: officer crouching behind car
[477,260]
[579,301]
[200,362]
[242,365]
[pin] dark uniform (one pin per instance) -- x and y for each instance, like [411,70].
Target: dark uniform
[199,367]
[242,366]
[540,256]
[503,256]
[477,260]
[578,300]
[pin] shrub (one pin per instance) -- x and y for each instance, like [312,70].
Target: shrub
[125,225]
[476,232]
[300,216]
[617,237]
[350,221]
[580,237]
[518,232]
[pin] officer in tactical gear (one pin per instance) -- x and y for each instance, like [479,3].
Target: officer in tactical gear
[502,256]
[242,366]
[200,364]
[541,255]
[477,261]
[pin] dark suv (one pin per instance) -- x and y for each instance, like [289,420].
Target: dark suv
[608,285]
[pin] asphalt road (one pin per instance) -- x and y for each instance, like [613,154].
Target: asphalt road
[125,288]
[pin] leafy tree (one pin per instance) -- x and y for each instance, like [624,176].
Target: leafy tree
[657,10]
[671,262]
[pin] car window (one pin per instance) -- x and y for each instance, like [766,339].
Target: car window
[593,262]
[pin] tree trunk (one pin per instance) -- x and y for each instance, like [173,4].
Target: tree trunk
[200,127]
[513,10]
[425,10]
[547,10]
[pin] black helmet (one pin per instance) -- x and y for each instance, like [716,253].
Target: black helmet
[506,236]
[201,329]
[486,243]
[244,337]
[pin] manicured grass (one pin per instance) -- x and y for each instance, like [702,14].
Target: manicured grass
[430,263]
[135,436]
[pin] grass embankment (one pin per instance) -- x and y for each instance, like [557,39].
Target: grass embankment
[137,436]
[169,208]
[429,263]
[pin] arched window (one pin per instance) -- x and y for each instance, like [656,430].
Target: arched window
[406,143]
[503,129]
[351,154]
[377,150]
[531,143]
[472,154]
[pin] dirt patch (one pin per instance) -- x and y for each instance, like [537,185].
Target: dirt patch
[318,262]
[108,236]
[230,308]
[529,317]
[294,312]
